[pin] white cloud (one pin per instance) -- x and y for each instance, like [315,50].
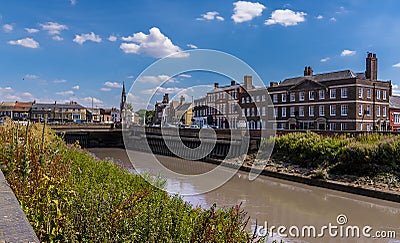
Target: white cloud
[88,101]
[131,77]
[27,42]
[73,2]
[112,38]
[397,65]
[212,15]
[286,17]
[325,59]
[28,95]
[185,75]
[57,38]
[53,28]
[246,11]
[31,30]
[57,81]
[76,87]
[80,39]
[395,90]
[8,28]
[347,53]
[65,93]
[31,76]
[156,79]
[105,89]
[320,17]
[192,46]
[155,44]
[333,19]
[113,84]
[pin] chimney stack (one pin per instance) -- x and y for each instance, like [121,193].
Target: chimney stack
[273,84]
[182,99]
[216,85]
[371,71]
[165,99]
[248,82]
[308,71]
[233,83]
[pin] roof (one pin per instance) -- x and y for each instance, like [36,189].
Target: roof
[40,106]
[22,106]
[344,74]
[183,107]
[394,102]
[7,106]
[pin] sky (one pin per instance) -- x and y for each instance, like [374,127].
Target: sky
[81,50]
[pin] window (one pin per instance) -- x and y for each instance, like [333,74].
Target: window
[360,93]
[378,94]
[378,111]
[360,110]
[384,95]
[283,111]
[301,96]
[243,112]
[292,97]
[275,98]
[242,100]
[301,111]
[247,99]
[344,110]
[368,93]
[311,110]
[263,110]
[275,112]
[283,97]
[384,111]
[248,112]
[292,111]
[396,118]
[311,95]
[368,110]
[343,92]
[332,126]
[332,93]
[252,111]
[321,110]
[343,126]
[333,110]
[258,98]
[368,127]
[321,94]
[360,127]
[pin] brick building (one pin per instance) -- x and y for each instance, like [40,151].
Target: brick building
[342,100]
[394,111]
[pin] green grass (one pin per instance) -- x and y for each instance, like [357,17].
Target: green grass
[369,154]
[70,196]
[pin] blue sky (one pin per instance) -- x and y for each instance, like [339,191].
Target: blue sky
[75,50]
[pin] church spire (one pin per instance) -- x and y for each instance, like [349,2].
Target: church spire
[123,101]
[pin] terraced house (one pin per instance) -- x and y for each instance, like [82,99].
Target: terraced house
[343,100]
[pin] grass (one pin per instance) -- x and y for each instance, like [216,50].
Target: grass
[70,196]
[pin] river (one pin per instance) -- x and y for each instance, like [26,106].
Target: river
[282,203]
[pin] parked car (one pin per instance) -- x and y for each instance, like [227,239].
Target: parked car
[195,126]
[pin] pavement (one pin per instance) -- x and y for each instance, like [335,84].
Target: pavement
[14,226]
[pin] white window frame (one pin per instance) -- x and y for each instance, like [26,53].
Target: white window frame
[343,92]
[332,110]
[275,98]
[384,95]
[360,110]
[321,110]
[311,95]
[292,97]
[301,111]
[384,111]
[275,112]
[360,93]
[321,94]
[332,93]
[378,94]
[311,111]
[283,111]
[283,97]
[368,93]
[292,111]
[344,110]
[302,96]
[378,111]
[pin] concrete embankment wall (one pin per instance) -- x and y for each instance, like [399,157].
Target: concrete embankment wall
[14,226]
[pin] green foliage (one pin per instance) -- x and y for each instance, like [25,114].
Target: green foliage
[368,154]
[69,195]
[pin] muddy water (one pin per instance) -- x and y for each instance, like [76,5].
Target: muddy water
[282,203]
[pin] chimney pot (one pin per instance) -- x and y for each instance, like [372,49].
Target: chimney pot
[216,85]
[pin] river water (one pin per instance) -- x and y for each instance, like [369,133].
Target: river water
[282,203]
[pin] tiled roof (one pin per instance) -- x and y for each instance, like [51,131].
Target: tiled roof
[394,102]
[183,107]
[23,106]
[345,74]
